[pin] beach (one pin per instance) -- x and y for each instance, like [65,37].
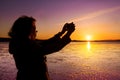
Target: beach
[77,61]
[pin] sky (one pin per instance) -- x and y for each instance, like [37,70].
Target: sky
[96,19]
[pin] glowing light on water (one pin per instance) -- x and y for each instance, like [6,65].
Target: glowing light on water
[88,46]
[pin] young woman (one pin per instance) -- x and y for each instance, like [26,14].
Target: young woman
[30,56]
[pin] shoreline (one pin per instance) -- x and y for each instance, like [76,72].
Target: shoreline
[117,40]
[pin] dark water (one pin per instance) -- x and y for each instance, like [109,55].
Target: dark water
[77,61]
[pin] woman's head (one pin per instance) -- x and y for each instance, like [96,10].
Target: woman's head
[23,27]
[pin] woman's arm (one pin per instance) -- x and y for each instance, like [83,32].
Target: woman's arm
[59,41]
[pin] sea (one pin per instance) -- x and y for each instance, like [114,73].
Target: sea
[76,61]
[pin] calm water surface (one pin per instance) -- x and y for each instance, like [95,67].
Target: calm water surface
[77,61]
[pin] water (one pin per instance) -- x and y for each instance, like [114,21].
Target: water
[76,61]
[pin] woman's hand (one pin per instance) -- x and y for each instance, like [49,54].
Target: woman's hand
[64,28]
[71,28]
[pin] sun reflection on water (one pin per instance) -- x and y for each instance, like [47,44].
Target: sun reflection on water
[87,50]
[88,46]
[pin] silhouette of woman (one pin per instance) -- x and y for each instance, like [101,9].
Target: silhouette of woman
[29,55]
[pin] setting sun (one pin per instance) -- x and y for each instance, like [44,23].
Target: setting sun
[88,37]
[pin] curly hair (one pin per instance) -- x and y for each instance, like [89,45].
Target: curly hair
[21,27]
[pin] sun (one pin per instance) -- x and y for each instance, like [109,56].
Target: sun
[88,37]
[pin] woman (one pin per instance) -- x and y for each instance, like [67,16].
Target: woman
[30,56]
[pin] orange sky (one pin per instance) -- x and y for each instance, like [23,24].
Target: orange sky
[99,19]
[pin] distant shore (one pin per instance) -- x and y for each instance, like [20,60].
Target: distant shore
[96,41]
[117,40]
[4,39]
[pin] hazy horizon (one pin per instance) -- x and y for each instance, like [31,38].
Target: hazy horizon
[2,39]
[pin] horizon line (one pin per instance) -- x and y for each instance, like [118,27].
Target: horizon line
[102,40]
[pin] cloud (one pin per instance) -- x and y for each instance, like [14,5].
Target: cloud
[96,14]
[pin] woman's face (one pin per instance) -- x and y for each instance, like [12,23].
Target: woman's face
[33,32]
